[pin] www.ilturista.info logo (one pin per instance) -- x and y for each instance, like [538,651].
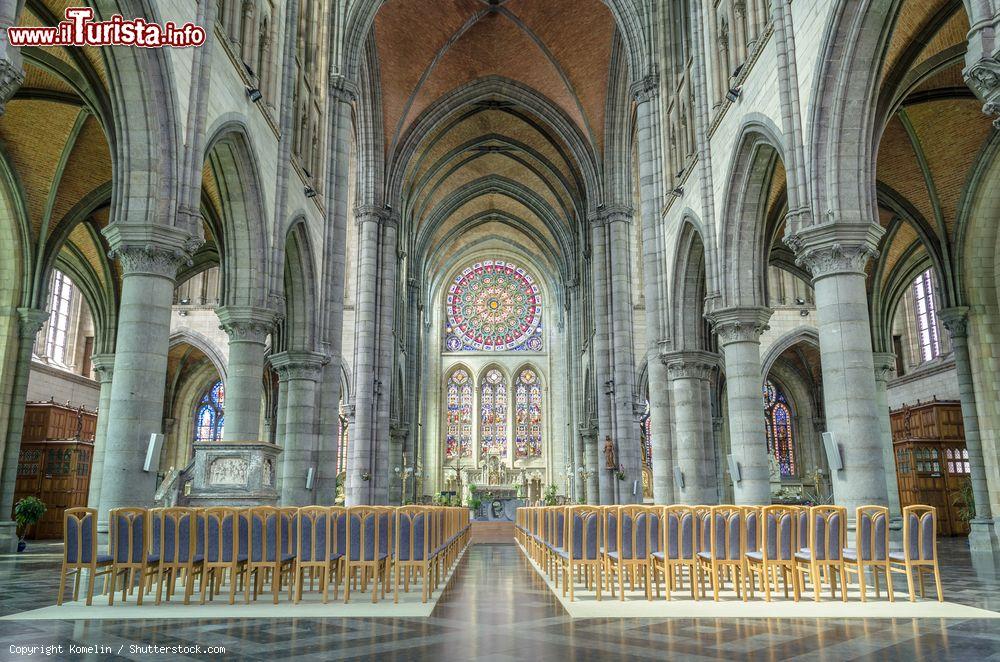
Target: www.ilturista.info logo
[80,29]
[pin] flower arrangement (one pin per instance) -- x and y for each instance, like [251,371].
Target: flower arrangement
[620,472]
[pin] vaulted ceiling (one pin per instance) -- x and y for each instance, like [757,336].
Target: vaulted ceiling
[494,169]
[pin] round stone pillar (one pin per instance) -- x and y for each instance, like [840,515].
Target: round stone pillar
[689,374]
[739,332]
[104,366]
[302,371]
[148,258]
[30,321]
[247,328]
[885,366]
[836,255]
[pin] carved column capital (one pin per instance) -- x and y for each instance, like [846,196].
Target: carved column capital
[956,320]
[155,250]
[342,89]
[835,248]
[885,366]
[734,325]
[246,323]
[11,77]
[104,366]
[30,321]
[693,364]
[983,77]
[293,365]
[646,88]
[370,213]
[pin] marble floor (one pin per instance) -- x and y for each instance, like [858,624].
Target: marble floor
[497,608]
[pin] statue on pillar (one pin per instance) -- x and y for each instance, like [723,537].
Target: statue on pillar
[610,461]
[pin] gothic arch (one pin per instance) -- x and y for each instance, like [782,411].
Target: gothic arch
[802,334]
[689,290]
[203,344]
[298,327]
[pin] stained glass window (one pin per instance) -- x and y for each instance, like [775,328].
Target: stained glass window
[458,434]
[493,306]
[210,417]
[343,438]
[778,425]
[528,415]
[646,437]
[927,327]
[493,413]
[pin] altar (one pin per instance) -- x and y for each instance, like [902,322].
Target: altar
[498,489]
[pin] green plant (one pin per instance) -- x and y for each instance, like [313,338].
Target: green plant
[620,472]
[475,503]
[966,502]
[27,511]
[550,495]
[472,488]
[455,501]
[441,499]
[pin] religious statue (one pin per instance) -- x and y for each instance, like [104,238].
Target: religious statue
[610,462]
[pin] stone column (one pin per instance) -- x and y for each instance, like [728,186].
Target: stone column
[247,328]
[280,415]
[651,183]
[30,321]
[626,429]
[592,461]
[104,366]
[983,539]
[739,332]
[11,68]
[148,259]
[602,357]
[885,366]
[836,255]
[382,462]
[690,372]
[302,370]
[397,441]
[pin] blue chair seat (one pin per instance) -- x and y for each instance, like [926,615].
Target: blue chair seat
[103,558]
[152,559]
[899,557]
[285,558]
[659,556]
[241,558]
[705,555]
[803,555]
[849,554]
[336,555]
[198,558]
[755,556]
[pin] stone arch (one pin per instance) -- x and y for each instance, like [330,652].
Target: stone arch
[801,334]
[232,162]
[299,327]
[841,166]
[203,344]
[743,263]
[690,290]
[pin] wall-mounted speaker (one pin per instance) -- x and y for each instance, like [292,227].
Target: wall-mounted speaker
[734,469]
[678,478]
[152,463]
[309,478]
[833,457]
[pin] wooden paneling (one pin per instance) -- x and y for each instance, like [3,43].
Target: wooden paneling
[932,463]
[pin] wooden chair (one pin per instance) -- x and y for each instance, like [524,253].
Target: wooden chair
[637,538]
[317,550]
[919,549]
[128,542]
[725,550]
[175,540]
[413,553]
[871,549]
[225,532]
[368,544]
[609,545]
[772,552]
[678,549]
[582,550]
[80,553]
[824,556]
[269,557]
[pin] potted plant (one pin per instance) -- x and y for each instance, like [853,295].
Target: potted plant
[550,495]
[620,472]
[474,504]
[27,511]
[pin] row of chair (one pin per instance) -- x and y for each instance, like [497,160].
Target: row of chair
[261,545]
[601,546]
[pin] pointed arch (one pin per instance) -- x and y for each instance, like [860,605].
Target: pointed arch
[298,329]
[459,404]
[529,412]
[494,410]
[690,289]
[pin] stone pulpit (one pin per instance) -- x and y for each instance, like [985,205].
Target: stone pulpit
[233,473]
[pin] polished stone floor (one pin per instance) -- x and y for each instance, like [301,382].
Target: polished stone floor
[497,608]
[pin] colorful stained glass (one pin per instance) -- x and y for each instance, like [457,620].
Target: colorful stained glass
[646,437]
[458,435]
[778,427]
[493,306]
[210,418]
[527,415]
[493,414]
